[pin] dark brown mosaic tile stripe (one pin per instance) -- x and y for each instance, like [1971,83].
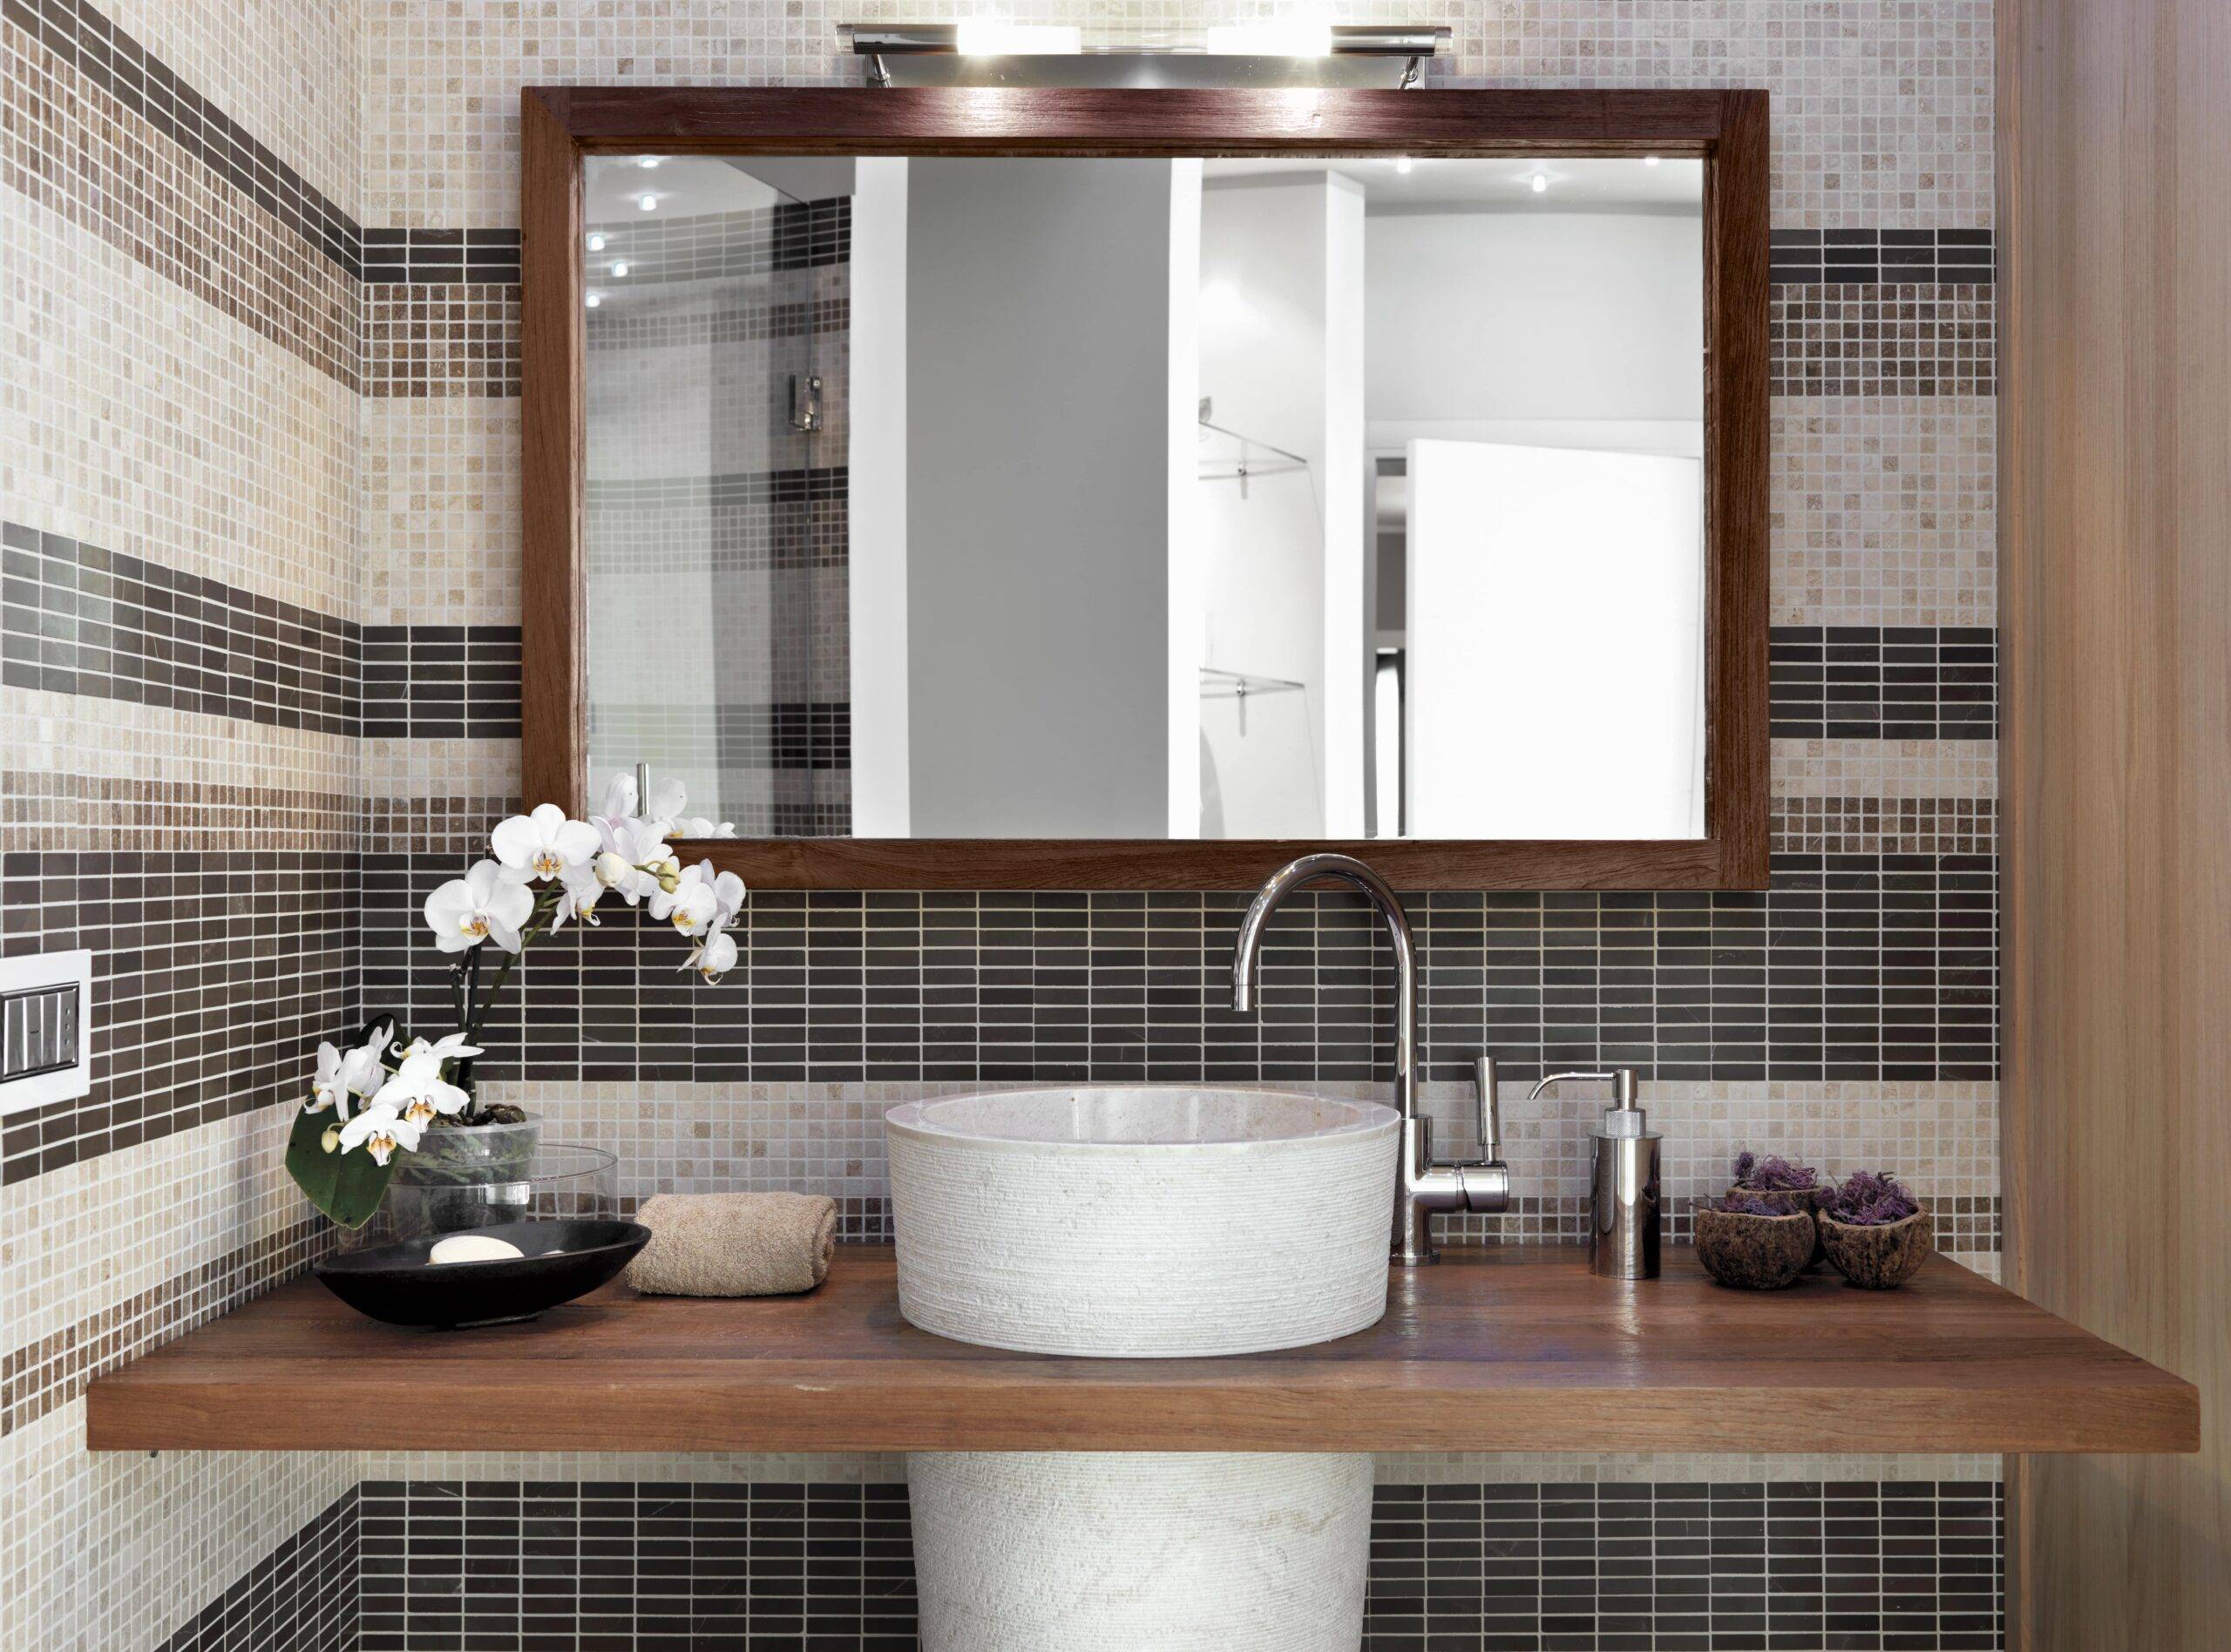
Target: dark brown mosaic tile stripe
[1539,1568]
[1883,682]
[45,810]
[189,950]
[457,339]
[301,1597]
[1967,1223]
[1849,257]
[441,682]
[78,619]
[81,38]
[432,257]
[612,328]
[1933,339]
[1867,968]
[1688,1567]
[72,147]
[49,1373]
[1885,826]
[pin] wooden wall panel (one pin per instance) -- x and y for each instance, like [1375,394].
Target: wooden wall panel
[2115,197]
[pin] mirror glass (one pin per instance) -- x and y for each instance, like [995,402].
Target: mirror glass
[1298,499]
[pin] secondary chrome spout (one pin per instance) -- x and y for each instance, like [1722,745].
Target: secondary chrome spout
[1423,1184]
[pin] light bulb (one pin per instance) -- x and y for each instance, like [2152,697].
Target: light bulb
[595,300]
[1402,165]
[648,162]
[596,243]
[647,202]
[1650,160]
[621,268]
[1540,184]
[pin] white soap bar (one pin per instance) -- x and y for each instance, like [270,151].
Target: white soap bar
[472,1247]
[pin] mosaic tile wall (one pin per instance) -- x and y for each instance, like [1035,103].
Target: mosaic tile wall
[258,462]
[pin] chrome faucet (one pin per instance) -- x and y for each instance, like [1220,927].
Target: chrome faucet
[1423,1183]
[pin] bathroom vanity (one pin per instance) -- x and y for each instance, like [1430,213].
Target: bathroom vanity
[1498,1350]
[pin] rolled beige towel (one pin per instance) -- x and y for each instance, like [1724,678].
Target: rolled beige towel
[734,1244]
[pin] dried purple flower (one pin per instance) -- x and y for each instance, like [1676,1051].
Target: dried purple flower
[1749,1204]
[1776,1174]
[1871,1199]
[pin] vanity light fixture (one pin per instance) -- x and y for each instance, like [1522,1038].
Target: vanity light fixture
[1276,54]
[649,163]
[596,243]
[1650,160]
[593,301]
[1540,183]
[647,200]
[1402,165]
[620,267]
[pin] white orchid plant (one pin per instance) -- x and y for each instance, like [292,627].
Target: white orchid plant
[378,1098]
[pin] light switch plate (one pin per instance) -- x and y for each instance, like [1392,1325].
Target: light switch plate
[46,1029]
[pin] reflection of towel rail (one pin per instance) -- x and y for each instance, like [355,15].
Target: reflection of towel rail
[1218,684]
[1244,468]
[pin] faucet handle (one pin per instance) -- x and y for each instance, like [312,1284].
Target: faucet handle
[1490,1107]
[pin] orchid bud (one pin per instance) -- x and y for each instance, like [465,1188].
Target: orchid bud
[669,881]
[331,1140]
[613,870]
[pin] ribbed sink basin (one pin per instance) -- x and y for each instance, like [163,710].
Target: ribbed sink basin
[1145,1221]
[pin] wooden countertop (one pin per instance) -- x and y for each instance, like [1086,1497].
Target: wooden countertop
[1495,1349]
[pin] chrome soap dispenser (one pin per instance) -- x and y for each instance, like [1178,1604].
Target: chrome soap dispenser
[1623,1153]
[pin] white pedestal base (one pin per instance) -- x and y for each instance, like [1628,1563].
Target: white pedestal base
[1140,1551]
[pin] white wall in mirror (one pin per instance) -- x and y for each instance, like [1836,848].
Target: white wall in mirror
[1112,522]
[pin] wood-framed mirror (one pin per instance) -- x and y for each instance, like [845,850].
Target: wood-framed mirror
[1084,489]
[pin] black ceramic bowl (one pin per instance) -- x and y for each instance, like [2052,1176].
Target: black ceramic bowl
[561,1260]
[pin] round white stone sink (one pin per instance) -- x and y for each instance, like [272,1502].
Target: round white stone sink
[1146,1221]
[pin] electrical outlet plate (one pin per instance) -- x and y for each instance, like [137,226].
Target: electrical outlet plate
[32,975]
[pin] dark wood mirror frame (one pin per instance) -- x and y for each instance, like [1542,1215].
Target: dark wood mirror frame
[1727,130]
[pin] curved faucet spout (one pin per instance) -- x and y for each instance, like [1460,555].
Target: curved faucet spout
[1343,868]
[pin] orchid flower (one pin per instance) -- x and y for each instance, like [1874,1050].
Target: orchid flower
[380,1130]
[629,846]
[340,1076]
[698,826]
[712,957]
[417,1091]
[582,886]
[544,843]
[490,901]
[729,891]
[693,904]
[620,799]
[451,1047]
[667,800]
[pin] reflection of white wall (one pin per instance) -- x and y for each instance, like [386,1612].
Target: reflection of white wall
[1037,497]
[1562,315]
[882,806]
[1281,359]
[1555,652]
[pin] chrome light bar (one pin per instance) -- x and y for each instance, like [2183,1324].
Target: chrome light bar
[1266,54]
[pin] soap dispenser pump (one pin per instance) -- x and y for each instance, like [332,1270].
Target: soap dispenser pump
[1623,1202]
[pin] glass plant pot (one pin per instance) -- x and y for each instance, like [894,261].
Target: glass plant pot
[554,1182]
[452,1154]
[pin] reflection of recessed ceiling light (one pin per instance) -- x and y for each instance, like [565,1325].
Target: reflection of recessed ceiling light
[648,162]
[1650,160]
[620,268]
[596,243]
[1541,183]
[1402,164]
[595,300]
[647,201]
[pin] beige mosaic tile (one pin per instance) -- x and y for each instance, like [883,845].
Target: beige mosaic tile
[441,498]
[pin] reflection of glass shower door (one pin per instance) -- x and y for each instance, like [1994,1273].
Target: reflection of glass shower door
[703,424]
